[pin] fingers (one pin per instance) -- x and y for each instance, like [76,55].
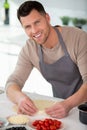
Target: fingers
[58,114]
[27,107]
[57,111]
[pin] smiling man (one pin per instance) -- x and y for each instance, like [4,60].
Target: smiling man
[58,52]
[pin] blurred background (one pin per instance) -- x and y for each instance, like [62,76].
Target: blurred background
[13,37]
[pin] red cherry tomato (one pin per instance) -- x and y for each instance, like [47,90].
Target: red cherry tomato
[47,124]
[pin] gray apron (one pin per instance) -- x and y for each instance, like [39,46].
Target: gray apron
[63,75]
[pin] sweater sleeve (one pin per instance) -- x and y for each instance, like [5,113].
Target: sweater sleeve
[82,56]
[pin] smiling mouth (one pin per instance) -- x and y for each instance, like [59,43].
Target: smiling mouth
[37,36]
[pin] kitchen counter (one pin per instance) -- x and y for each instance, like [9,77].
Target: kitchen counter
[71,122]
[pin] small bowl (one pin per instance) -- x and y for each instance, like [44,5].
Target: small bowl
[30,124]
[83,113]
[4,122]
[18,119]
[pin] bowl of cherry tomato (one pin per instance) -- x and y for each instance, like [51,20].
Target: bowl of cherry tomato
[46,124]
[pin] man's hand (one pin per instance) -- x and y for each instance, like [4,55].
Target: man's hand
[58,110]
[26,106]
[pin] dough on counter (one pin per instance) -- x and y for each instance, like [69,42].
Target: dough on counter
[41,105]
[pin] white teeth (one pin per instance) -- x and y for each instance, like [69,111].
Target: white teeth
[37,35]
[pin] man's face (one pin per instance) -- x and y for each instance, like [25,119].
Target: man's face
[37,26]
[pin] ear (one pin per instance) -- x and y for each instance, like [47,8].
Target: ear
[48,17]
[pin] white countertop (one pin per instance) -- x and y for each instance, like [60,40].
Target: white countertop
[71,122]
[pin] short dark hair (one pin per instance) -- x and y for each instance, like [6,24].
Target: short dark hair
[28,6]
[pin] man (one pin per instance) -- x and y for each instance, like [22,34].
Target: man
[59,53]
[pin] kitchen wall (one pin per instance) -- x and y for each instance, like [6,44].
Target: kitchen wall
[56,8]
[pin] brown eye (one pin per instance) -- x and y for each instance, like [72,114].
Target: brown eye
[27,28]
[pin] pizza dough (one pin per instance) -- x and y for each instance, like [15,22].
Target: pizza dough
[18,119]
[41,105]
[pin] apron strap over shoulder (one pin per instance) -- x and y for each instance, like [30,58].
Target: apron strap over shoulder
[61,41]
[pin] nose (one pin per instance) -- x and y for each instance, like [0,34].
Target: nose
[34,29]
